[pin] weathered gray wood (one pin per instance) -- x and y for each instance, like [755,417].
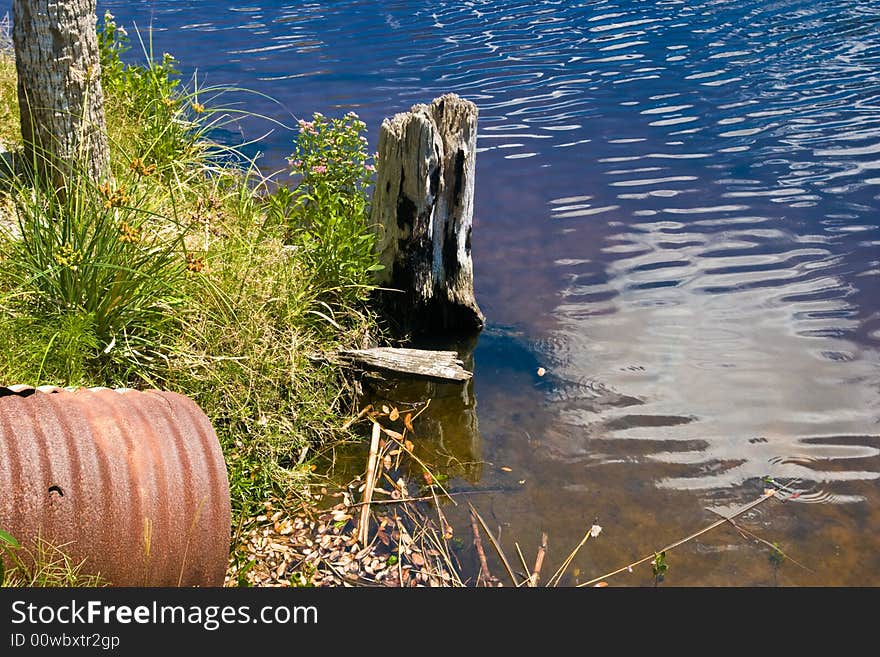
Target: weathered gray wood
[423,211]
[419,362]
[59,86]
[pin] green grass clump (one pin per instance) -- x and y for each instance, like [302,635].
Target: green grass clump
[45,564]
[93,266]
[188,270]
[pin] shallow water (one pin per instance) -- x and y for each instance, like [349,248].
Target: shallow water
[676,216]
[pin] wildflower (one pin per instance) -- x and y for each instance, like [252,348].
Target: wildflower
[137,165]
[307,126]
[369,167]
[113,198]
[128,233]
[319,169]
[194,263]
[296,164]
[168,103]
[595,530]
[198,108]
[67,256]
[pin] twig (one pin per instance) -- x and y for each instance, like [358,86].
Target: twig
[495,545]
[364,524]
[444,526]
[398,522]
[539,561]
[396,437]
[421,410]
[478,546]
[366,409]
[428,498]
[527,581]
[745,533]
[554,580]
[767,495]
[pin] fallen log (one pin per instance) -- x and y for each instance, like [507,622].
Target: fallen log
[445,365]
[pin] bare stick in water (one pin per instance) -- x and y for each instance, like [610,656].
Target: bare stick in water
[478,545]
[539,561]
[364,524]
[770,492]
[495,545]
[554,580]
[745,533]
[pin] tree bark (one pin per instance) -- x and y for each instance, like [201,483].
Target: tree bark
[59,88]
[423,210]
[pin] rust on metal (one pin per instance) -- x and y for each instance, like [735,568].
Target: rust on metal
[133,482]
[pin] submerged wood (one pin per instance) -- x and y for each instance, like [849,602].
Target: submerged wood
[419,362]
[423,210]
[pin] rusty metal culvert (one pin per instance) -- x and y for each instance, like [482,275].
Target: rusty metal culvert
[134,482]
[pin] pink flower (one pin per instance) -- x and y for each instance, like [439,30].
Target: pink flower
[370,168]
[319,169]
[307,126]
[296,164]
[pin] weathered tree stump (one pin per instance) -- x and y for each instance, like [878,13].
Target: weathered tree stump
[423,210]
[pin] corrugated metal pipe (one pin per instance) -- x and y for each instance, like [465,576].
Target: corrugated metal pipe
[133,482]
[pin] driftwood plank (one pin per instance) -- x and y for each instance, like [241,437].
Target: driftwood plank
[444,365]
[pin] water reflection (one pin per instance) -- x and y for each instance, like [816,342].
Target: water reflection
[446,432]
[746,332]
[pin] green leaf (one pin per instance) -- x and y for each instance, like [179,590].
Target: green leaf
[9,539]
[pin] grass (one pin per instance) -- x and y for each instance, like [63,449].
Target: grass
[9,125]
[190,271]
[43,565]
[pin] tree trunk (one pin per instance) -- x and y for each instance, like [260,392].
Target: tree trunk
[423,209]
[59,87]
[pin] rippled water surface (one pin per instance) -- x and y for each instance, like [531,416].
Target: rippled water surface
[676,216]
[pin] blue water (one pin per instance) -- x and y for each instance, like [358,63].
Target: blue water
[676,216]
